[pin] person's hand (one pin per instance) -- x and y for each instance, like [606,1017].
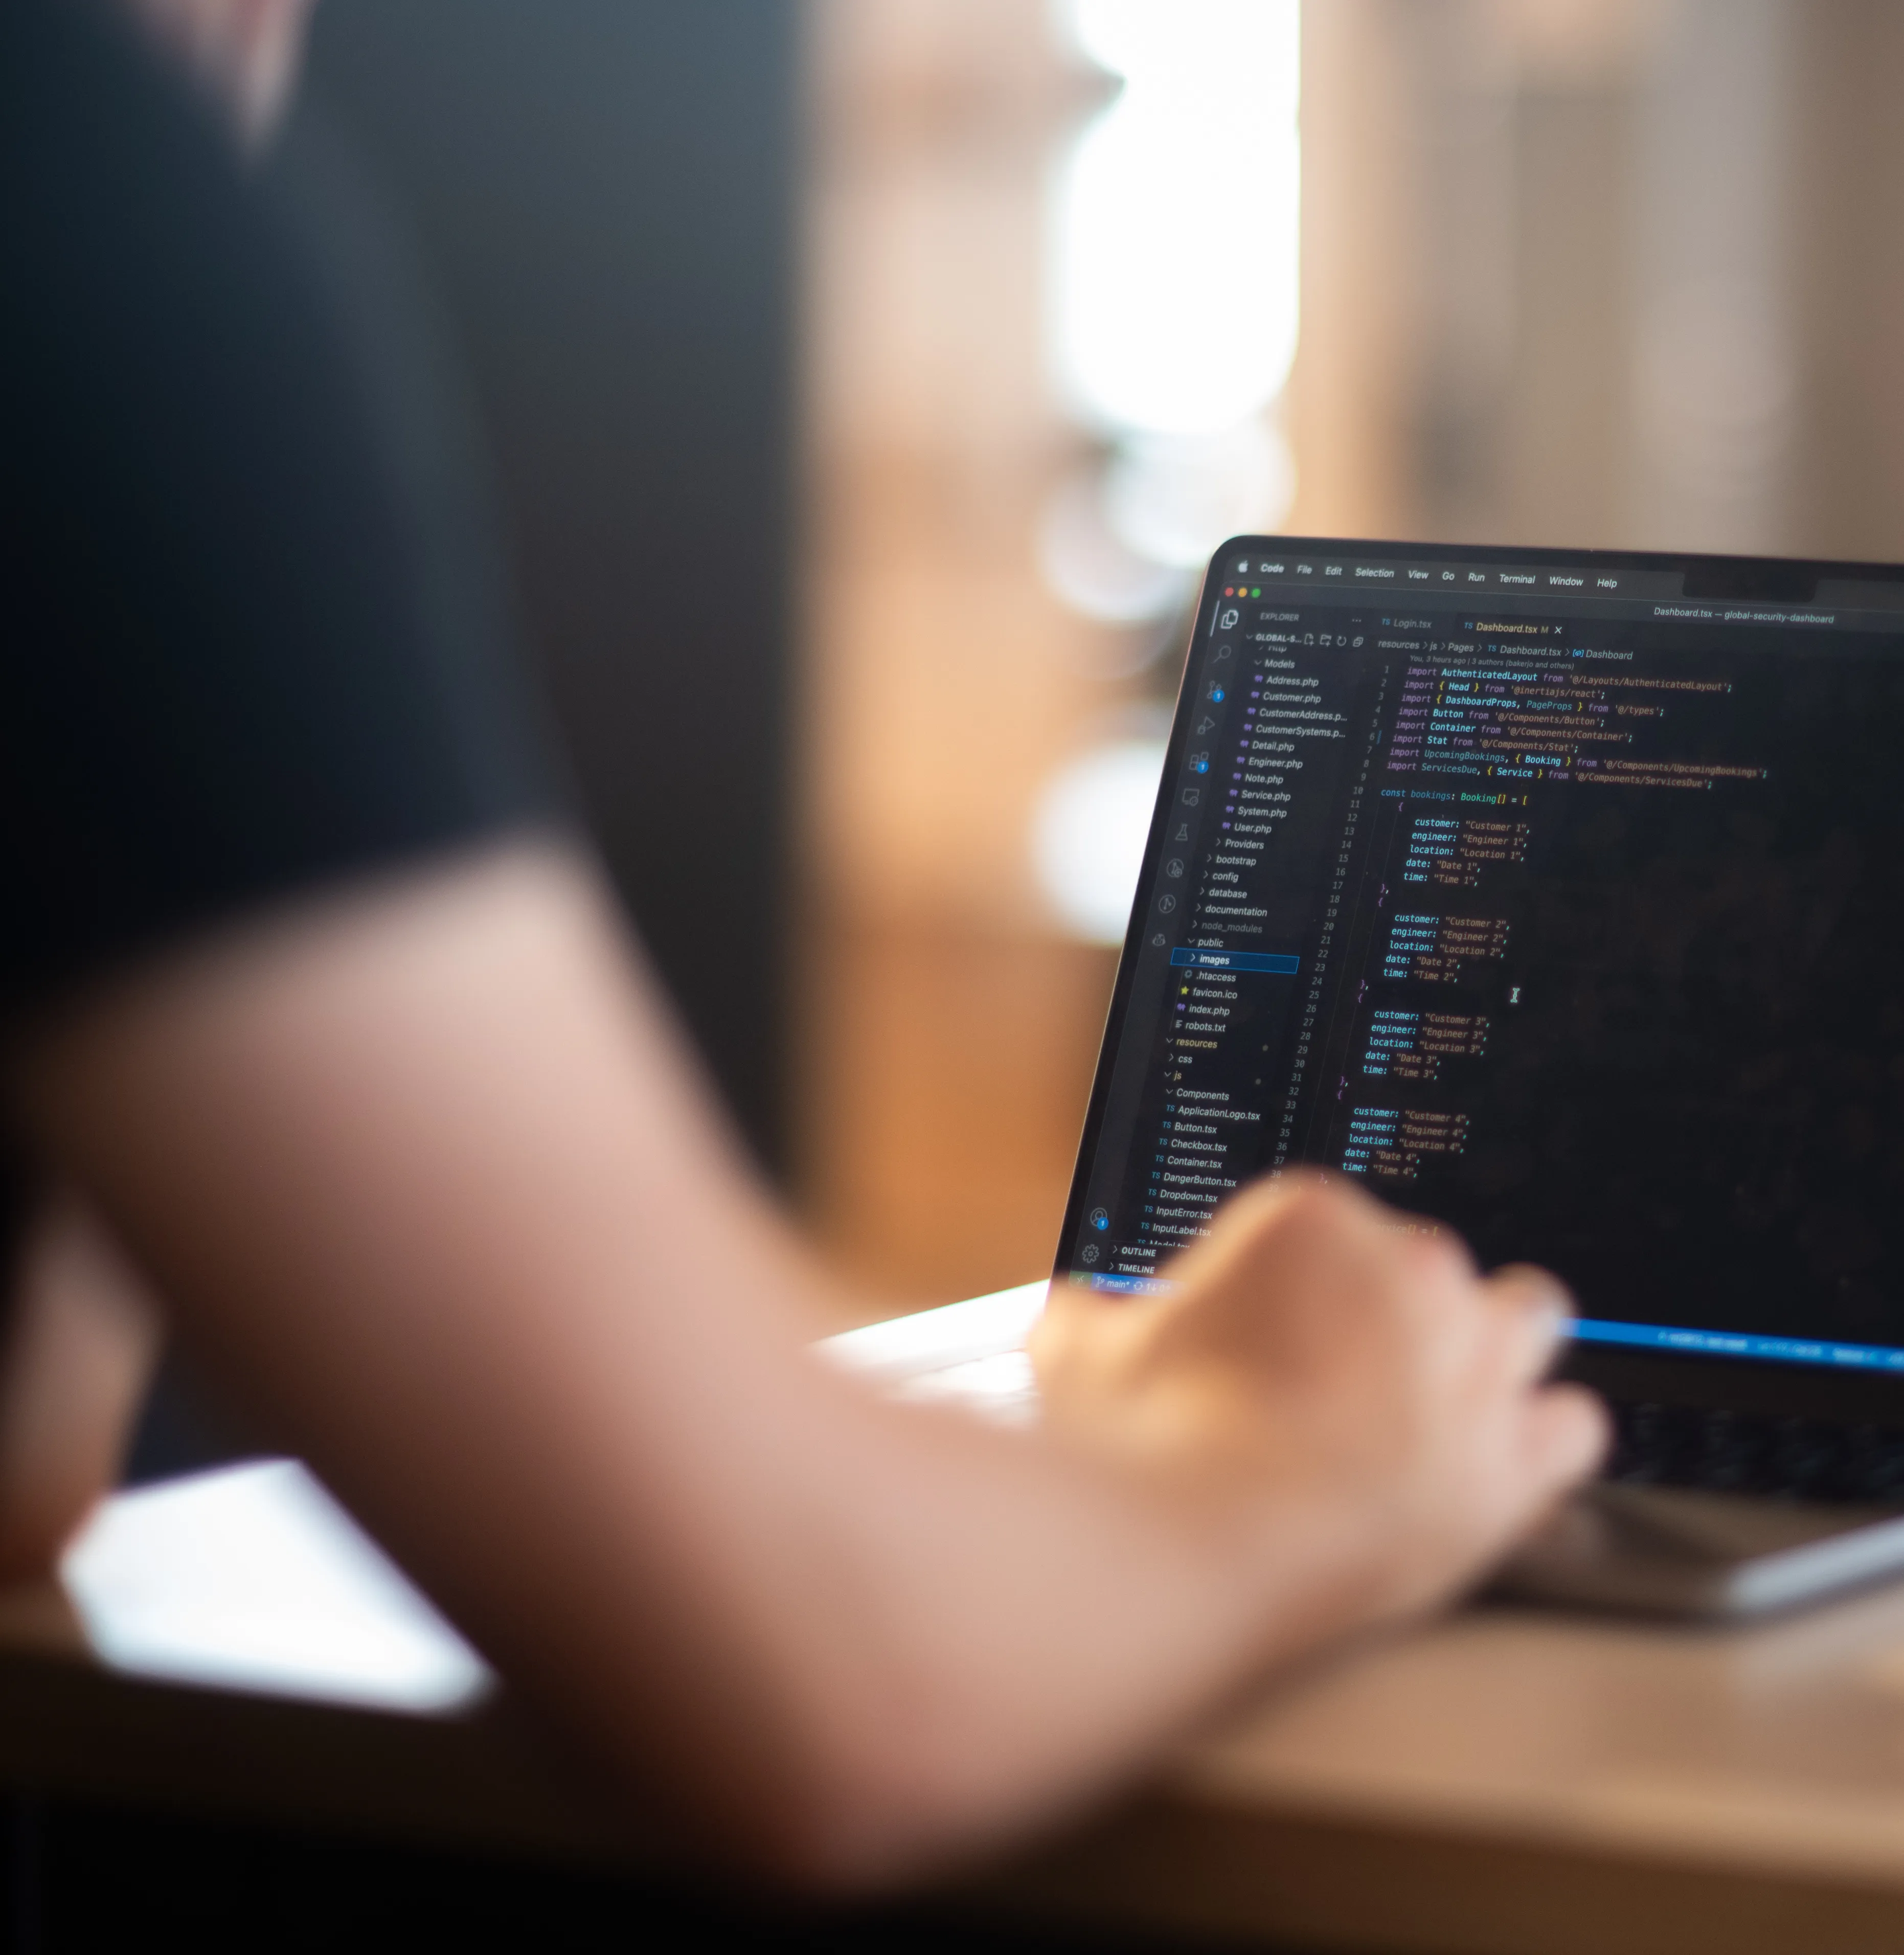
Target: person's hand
[1338,1382]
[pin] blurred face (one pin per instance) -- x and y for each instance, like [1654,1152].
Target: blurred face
[246,51]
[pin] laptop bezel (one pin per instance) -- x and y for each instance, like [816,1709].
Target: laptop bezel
[1759,1385]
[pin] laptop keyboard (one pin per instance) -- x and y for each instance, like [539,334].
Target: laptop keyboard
[1746,1452]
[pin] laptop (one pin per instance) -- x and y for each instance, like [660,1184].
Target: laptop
[1557,896]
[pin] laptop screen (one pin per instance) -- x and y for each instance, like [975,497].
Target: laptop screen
[1559,898]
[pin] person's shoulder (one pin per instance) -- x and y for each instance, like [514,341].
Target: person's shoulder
[77,77]
[159,297]
[112,168]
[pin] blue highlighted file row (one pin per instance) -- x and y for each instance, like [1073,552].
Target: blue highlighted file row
[1237,960]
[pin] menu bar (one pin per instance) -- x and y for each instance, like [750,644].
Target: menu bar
[1389,575]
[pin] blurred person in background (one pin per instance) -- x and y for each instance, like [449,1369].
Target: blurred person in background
[326,1050]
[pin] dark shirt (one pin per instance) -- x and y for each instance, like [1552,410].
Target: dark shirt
[251,644]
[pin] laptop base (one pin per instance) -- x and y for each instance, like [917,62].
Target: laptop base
[1717,1557]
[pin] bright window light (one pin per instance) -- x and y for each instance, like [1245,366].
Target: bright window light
[1088,840]
[1173,309]
[1175,260]
[1201,43]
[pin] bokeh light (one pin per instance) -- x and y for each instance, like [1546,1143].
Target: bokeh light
[1173,313]
[1174,269]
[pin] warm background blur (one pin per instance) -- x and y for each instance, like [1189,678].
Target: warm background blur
[1580,272]
[867,378]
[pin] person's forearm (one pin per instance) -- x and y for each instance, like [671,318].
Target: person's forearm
[990,1640]
[435,1203]
[436,1208]
[441,1214]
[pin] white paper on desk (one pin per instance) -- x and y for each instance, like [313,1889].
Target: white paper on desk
[253,1578]
[970,1354]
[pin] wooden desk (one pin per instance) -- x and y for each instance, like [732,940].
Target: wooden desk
[1498,1782]
[1501,1782]
[1508,1781]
